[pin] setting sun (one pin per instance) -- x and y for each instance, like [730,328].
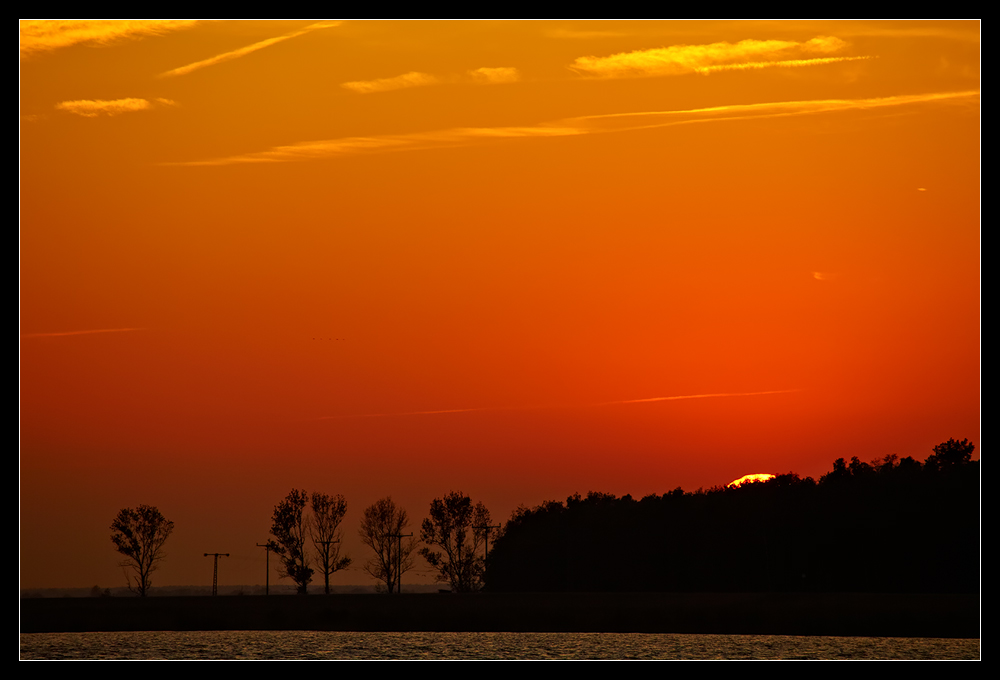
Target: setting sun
[750,479]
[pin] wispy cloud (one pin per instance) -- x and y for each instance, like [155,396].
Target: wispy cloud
[91,108]
[63,333]
[653,119]
[788,63]
[345,146]
[495,75]
[411,79]
[243,51]
[44,35]
[705,59]
[581,125]
[485,75]
[531,408]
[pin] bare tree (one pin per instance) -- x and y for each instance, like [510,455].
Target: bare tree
[382,530]
[139,535]
[459,528]
[328,513]
[289,526]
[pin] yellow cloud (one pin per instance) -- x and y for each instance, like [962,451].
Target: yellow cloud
[45,35]
[411,79]
[243,51]
[91,108]
[678,59]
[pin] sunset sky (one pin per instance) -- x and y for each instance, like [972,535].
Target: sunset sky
[516,259]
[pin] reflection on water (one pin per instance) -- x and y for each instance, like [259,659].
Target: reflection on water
[339,645]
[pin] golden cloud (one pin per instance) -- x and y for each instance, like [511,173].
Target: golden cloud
[91,108]
[678,59]
[45,35]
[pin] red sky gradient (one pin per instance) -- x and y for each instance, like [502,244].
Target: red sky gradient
[405,258]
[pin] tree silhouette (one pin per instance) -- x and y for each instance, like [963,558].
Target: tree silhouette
[328,513]
[139,535]
[887,526]
[458,528]
[382,530]
[950,454]
[289,526]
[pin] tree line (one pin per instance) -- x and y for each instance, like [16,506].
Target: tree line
[888,525]
[306,532]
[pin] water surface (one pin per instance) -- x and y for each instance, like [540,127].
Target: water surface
[424,645]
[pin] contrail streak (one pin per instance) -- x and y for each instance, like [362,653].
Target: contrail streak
[413,413]
[101,330]
[580,125]
[243,51]
[696,396]
[525,408]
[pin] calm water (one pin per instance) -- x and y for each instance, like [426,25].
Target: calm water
[327,645]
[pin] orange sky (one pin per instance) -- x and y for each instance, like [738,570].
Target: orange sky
[405,258]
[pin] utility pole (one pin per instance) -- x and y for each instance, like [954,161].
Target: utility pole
[486,554]
[267,567]
[215,574]
[399,561]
